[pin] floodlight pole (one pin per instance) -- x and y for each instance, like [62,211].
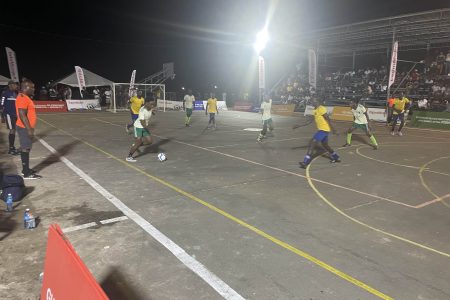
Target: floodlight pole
[261,76]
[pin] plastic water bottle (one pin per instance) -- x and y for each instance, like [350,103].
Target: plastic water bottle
[28,220]
[9,203]
[26,217]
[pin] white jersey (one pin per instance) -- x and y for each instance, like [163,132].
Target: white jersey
[266,108]
[144,115]
[189,101]
[359,114]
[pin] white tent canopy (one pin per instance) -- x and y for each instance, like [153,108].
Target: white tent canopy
[90,78]
[4,80]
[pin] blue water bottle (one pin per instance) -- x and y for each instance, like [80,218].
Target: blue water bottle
[9,203]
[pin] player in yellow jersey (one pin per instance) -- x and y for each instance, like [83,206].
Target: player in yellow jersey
[401,104]
[211,109]
[324,127]
[136,102]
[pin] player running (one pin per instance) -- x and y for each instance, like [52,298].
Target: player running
[324,127]
[188,103]
[142,129]
[265,111]
[361,121]
[136,102]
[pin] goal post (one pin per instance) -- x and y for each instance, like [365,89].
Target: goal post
[120,94]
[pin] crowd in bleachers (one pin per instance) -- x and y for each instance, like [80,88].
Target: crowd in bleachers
[429,81]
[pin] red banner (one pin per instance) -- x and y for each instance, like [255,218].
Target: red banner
[65,274]
[50,106]
[243,106]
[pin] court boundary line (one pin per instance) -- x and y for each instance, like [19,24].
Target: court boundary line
[195,266]
[259,232]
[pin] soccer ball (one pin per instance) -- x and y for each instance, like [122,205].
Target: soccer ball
[162,157]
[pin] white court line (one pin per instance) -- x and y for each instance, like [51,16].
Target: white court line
[211,279]
[79,227]
[118,219]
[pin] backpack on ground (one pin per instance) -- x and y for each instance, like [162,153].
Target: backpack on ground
[14,185]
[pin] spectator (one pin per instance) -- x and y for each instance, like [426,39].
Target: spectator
[447,62]
[440,63]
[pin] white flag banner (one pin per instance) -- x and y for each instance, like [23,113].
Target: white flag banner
[393,68]
[312,68]
[12,63]
[81,81]
[133,77]
[262,72]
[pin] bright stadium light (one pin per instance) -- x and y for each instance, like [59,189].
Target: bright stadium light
[262,38]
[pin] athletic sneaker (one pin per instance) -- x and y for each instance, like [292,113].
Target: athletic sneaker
[31,171]
[375,147]
[303,165]
[392,133]
[335,158]
[32,176]
[127,129]
[400,133]
[346,145]
[130,159]
[13,151]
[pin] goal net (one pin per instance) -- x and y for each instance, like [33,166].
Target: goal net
[121,94]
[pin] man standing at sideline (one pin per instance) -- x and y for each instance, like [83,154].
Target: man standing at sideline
[142,130]
[188,103]
[136,102]
[399,107]
[211,109]
[324,127]
[9,113]
[265,111]
[26,122]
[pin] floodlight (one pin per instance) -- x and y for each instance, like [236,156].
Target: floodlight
[262,38]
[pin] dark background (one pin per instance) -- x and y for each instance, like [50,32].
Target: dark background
[209,41]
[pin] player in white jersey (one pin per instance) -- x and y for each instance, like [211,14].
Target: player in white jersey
[265,111]
[188,103]
[361,121]
[142,132]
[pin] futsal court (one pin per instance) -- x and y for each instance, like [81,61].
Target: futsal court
[226,216]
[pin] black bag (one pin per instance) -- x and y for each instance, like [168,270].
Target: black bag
[14,185]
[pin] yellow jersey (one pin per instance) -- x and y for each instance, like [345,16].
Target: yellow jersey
[399,104]
[321,123]
[136,104]
[212,105]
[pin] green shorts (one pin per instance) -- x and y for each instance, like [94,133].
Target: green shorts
[141,132]
[188,112]
[363,127]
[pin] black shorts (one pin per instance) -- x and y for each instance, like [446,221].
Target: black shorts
[24,138]
[10,121]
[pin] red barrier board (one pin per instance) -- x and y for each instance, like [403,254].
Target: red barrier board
[65,274]
[50,106]
[243,106]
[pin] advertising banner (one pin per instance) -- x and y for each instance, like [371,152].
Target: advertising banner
[85,104]
[50,106]
[174,105]
[133,77]
[393,69]
[80,78]
[243,106]
[198,105]
[342,113]
[12,64]
[429,119]
[65,274]
[283,109]
[312,60]
[377,114]
[262,72]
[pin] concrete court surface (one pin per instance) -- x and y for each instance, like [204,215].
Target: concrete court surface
[374,226]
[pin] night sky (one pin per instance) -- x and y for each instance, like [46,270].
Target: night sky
[210,41]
